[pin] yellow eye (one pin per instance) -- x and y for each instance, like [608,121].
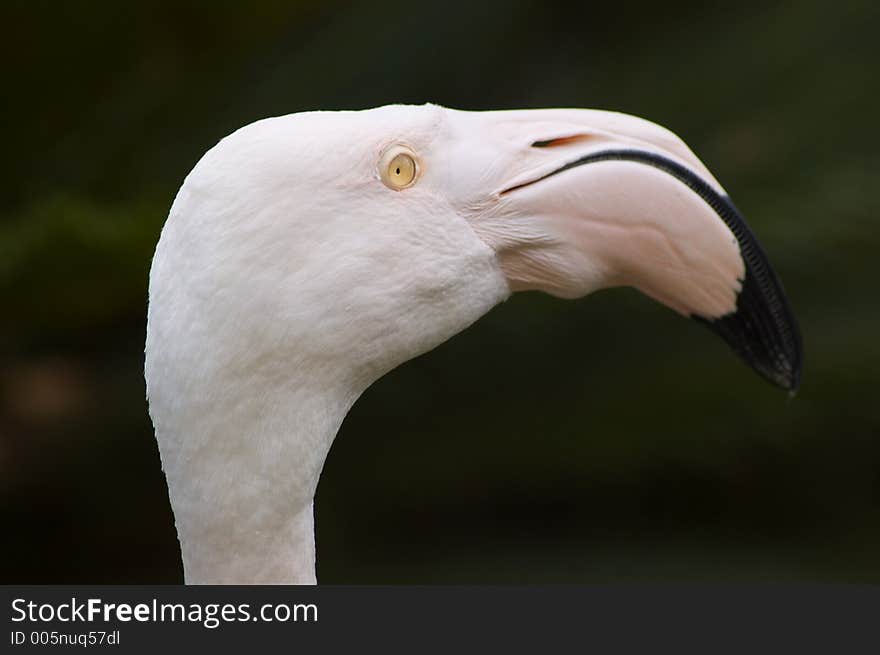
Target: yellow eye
[398,169]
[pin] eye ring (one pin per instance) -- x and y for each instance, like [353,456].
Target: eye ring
[398,168]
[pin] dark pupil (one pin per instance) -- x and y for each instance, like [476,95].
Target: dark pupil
[397,170]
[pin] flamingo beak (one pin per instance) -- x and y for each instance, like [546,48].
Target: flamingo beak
[589,199]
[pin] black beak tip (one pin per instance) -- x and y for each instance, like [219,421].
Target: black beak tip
[763,330]
[775,354]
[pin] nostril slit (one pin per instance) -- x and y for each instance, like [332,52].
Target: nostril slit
[562,141]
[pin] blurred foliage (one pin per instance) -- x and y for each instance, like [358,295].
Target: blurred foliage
[598,440]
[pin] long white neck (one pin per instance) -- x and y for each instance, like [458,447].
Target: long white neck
[243,475]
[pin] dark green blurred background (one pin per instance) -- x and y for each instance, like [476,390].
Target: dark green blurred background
[599,440]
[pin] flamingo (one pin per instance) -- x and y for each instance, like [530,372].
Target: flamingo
[307,255]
